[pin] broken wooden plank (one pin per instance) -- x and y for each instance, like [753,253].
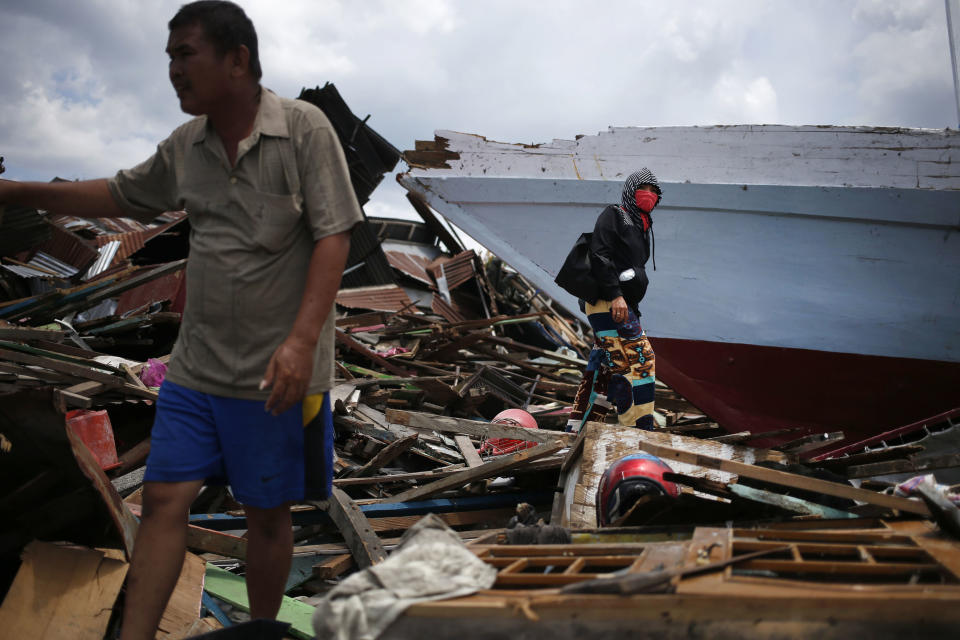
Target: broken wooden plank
[394,478]
[356,530]
[183,608]
[27,334]
[218,542]
[486,470]
[339,395]
[783,478]
[355,346]
[445,424]
[733,438]
[386,455]
[232,589]
[789,503]
[61,593]
[132,458]
[810,442]
[469,452]
[66,399]
[119,512]
[513,345]
[333,566]
[921,465]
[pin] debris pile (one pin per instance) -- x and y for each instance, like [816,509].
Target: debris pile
[455,378]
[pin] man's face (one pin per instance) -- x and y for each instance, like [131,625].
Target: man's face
[647,187]
[198,73]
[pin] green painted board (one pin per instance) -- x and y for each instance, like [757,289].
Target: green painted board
[232,589]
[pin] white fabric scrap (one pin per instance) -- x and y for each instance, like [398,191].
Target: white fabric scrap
[430,563]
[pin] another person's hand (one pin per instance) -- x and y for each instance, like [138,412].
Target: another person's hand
[619,310]
[288,373]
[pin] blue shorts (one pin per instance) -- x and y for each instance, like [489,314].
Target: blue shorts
[199,436]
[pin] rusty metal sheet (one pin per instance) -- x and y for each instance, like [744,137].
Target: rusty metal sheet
[457,270]
[167,288]
[444,309]
[380,298]
[410,264]
[70,248]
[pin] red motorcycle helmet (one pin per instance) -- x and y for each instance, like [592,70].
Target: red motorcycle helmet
[629,479]
[502,446]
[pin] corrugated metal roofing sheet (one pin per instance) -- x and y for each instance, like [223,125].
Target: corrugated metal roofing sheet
[382,298]
[411,264]
[69,248]
[26,272]
[443,308]
[365,251]
[46,266]
[457,270]
[101,226]
[107,253]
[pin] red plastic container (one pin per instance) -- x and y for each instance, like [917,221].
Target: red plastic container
[95,430]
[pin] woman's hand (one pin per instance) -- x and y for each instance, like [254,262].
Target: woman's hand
[619,310]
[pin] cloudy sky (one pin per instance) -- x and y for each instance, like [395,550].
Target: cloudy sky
[84,90]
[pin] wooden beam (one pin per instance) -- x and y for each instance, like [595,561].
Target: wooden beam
[446,424]
[386,455]
[904,466]
[218,542]
[355,346]
[469,452]
[789,503]
[26,334]
[119,511]
[810,442]
[356,529]
[132,458]
[783,478]
[331,567]
[397,477]
[733,438]
[232,589]
[486,470]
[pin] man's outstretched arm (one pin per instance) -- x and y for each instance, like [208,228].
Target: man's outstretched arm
[84,199]
[291,365]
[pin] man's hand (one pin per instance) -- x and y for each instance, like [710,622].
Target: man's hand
[288,372]
[619,309]
[291,365]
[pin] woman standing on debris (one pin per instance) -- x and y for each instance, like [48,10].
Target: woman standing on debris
[620,371]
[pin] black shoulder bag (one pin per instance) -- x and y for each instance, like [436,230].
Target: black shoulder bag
[575,276]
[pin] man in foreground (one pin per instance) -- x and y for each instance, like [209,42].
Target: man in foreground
[271,206]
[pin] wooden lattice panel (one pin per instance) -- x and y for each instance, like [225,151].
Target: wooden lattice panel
[838,563]
[553,566]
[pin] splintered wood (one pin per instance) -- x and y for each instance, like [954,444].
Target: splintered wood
[604,444]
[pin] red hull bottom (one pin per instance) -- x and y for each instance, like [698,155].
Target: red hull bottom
[752,388]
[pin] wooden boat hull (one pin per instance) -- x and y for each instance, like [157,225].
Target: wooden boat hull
[805,276]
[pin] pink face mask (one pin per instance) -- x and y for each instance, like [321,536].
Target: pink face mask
[646,200]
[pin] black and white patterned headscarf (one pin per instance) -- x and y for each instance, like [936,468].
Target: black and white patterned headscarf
[630,186]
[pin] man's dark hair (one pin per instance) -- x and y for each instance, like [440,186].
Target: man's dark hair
[225,24]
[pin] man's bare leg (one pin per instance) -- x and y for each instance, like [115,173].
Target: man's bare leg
[158,554]
[269,554]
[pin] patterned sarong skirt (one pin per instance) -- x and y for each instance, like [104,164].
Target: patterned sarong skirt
[620,372]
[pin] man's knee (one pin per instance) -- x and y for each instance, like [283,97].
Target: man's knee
[269,523]
[169,499]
